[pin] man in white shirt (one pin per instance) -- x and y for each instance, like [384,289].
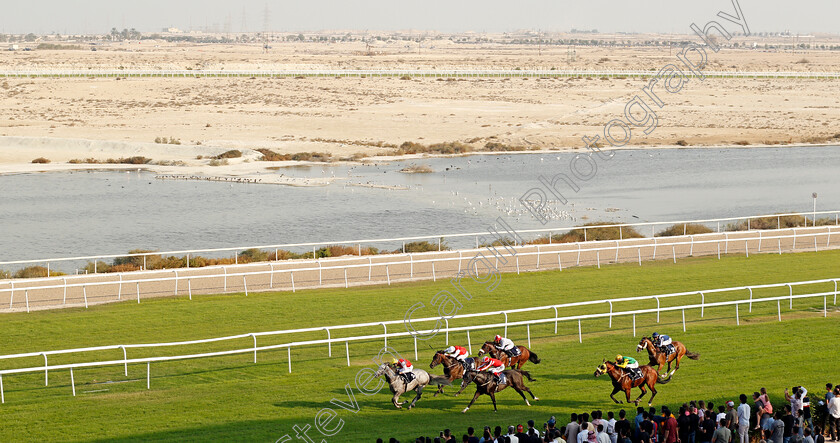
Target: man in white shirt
[611,427]
[744,420]
[511,435]
[602,436]
[583,435]
[834,414]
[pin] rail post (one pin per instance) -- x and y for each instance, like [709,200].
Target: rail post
[640,256]
[779,308]
[691,251]
[388,275]
[469,344]
[73,382]
[434,277]
[555,320]
[517,264]
[611,312]
[747,248]
[702,304]
[254,336]
[125,359]
[657,309]
[415,348]
[119,291]
[718,248]
[346,284]
[737,319]
[410,269]
[835,292]
[12,296]
[559,262]
[616,252]
[2,394]
[46,371]
[751,298]
[674,250]
[292,275]
[580,332]
[654,248]
[683,318]
[329,342]
[598,257]
[726,243]
[138,292]
[370,270]
[289,355]
[447,330]
[385,334]
[176,282]
[271,277]
[634,325]
[538,257]
[528,328]
[224,269]
[84,292]
[347,351]
[506,322]
[759,241]
[791,295]
[148,375]
[65,290]
[320,280]
[780,245]
[26,296]
[245,285]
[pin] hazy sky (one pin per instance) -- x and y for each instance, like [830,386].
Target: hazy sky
[98,16]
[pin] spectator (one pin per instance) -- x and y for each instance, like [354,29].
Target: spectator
[622,425]
[637,428]
[706,428]
[806,436]
[683,425]
[722,434]
[471,438]
[834,415]
[521,435]
[533,431]
[693,424]
[572,429]
[487,437]
[720,415]
[701,409]
[778,428]
[794,437]
[602,436]
[611,421]
[787,419]
[764,414]
[828,396]
[583,434]
[511,434]
[669,426]
[744,419]
[732,417]
[623,435]
[644,434]
[596,420]
[765,437]
[464,439]
[818,435]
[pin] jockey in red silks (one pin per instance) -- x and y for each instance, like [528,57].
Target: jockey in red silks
[493,366]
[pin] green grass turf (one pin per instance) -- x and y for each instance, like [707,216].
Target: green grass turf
[231,398]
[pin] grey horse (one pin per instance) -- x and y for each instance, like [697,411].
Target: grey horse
[399,387]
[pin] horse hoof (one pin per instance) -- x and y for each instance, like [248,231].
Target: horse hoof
[536,399]
[527,403]
[465,410]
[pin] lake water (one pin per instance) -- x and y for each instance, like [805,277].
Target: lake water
[85,213]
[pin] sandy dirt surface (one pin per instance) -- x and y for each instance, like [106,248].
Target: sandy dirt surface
[63,119]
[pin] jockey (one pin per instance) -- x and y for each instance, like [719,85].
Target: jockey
[405,369]
[661,341]
[457,352]
[628,363]
[494,366]
[505,345]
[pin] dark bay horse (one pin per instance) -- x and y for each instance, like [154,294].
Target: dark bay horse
[452,369]
[525,355]
[622,382]
[486,384]
[659,358]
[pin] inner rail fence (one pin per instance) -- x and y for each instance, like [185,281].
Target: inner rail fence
[329,341]
[57,292]
[472,237]
[375,73]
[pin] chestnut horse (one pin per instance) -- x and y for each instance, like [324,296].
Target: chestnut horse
[525,355]
[486,384]
[622,382]
[659,358]
[452,369]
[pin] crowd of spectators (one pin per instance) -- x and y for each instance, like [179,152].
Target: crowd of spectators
[693,422]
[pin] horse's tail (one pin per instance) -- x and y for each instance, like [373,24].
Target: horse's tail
[438,380]
[526,374]
[533,358]
[692,355]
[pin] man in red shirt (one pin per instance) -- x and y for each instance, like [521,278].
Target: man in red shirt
[669,426]
[494,366]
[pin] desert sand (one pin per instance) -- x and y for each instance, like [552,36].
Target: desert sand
[64,119]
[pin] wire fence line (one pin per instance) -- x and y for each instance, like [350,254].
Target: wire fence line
[329,341]
[440,238]
[53,292]
[373,73]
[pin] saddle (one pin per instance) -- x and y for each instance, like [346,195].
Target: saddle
[513,352]
[408,377]
[668,349]
[468,364]
[501,379]
[634,373]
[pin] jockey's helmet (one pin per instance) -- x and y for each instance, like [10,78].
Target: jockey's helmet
[619,358]
[486,358]
[394,361]
[654,335]
[450,349]
[498,338]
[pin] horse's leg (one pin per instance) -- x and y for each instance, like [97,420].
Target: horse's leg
[522,394]
[493,397]
[396,401]
[644,391]
[627,392]
[461,390]
[419,391]
[677,366]
[615,391]
[652,393]
[528,390]
[477,394]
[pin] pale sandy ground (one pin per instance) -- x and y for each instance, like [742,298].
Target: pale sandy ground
[19,295]
[63,119]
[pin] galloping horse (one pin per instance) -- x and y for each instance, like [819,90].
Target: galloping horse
[622,382]
[399,387]
[659,358]
[525,355]
[452,369]
[485,383]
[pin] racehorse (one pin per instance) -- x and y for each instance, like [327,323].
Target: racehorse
[452,369]
[622,382]
[525,355]
[486,383]
[399,387]
[659,358]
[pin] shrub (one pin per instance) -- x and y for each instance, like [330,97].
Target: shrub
[688,229]
[682,143]
[40,160]
[5,275]
[137,261]
[417,169]
[217,162]
[782,222]
[270,156]
[253,255]
[100,266]
[35,272]
[234,153]
[423,246]
[594,233]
